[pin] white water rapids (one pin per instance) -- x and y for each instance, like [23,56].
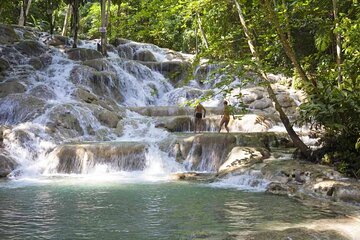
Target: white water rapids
[124,83]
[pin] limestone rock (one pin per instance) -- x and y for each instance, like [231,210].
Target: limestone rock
[4,65]
[42,91]
[107,117]
[243,157]
[10,87]
[144,55]
[99,64]
[58,40]
[36,63]
[83,54]
[261,104]
[86,96]
[347,192]
[17,108]
[8,34]
[30,48]
[194,176]
[7,164]
[78,158]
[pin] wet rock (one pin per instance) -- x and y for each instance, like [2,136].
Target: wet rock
[107,117]
[42,91]
[7,164]
[58,40]
[11,55]
[205,151]
[126,51]
[175,71]
[16,108]
[285,100]
[347,192]
[11,87]
[99,65]
[62,121]
[101,83]
[86,96]
[83,54]
[194,176]
[278,188]
[30,48]
[4,65]
[243,157]
[261,104]
[46,59]
[119,156]
[144,55]
[8,34]
[36,63]
[120,41]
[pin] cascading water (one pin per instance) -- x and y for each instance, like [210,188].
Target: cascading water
[71,100]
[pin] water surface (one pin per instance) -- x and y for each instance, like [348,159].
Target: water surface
[166,210]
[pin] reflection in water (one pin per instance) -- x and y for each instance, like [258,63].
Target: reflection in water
[144,211]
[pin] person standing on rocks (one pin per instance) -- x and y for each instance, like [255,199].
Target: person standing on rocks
[199,113]
[225,118]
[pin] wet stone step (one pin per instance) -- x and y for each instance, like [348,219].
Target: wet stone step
[118,156]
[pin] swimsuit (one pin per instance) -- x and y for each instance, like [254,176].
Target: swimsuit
[198,115]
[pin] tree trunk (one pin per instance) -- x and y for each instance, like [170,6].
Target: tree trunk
[285,43]
[287,22]
[338,40]
[284,119]
[202,32]
[103,27]
[75,14]
[66,21]
[24,11]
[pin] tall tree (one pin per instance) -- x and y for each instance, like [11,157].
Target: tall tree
[285,120]
[338,39]
[24,11]
[66,20]
[285,43]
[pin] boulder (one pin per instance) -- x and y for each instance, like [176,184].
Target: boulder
[205,152]
[36,63]
[175,71]
[86,96]
[80,158]
[144,55]
[99,65]
[83,54]
[101,83]
[30,48]
[243,157]
[194,176]
[8,35]
[58,40]
[285,100]
[261,104]
[7,164]
[11,87]
[63,122]
[107,117]
[42,91]
[347,192]
[4,65]
[16,108]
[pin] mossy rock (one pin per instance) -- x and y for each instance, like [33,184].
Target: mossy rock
[30,48]
[99,64]
[4,65]
[8,35]
[11,87]
[16,108]
[83,54]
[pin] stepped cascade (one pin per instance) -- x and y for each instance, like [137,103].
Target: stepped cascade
[66,110]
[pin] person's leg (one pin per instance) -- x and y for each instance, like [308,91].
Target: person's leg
[226,125]
[221,123]
[196,123]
